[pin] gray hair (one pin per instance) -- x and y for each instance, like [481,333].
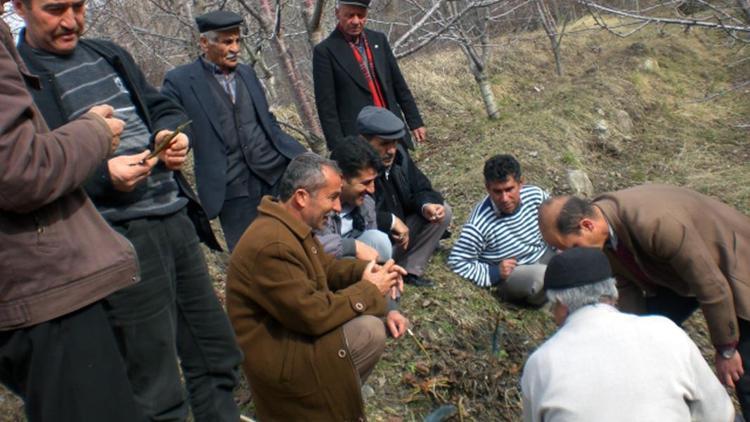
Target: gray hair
[577,297]
[210,35]
[305,172]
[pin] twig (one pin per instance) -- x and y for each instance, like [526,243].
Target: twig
[419,343]
[722,93]
[461,409]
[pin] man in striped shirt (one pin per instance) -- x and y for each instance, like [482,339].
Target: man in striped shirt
[500,244]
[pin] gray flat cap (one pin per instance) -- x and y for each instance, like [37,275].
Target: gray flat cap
[358,3]
[380,122]
[218,20]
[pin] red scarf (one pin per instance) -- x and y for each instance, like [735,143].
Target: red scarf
[369,73]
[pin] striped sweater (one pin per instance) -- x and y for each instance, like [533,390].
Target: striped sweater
[489,237]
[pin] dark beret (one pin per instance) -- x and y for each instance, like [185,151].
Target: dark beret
[218,20]
[380,122]
[358,3]
[576,267]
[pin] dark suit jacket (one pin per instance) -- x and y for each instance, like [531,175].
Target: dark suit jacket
[689,243]
[341,90]
[187,85]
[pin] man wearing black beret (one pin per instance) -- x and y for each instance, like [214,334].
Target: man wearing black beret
[415,214]
[604,365]
[240,150]
[355,67]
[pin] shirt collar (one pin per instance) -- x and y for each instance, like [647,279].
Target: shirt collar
[213,68]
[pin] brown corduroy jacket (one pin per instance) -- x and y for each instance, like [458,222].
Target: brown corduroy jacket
[58,254]
[687,242]
[287,301]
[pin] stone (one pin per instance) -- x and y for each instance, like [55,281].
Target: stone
[624,122]
[580,183]
[650,65]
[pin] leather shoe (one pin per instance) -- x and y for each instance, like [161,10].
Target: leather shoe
[417,281]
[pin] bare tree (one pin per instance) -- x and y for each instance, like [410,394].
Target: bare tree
[554,33]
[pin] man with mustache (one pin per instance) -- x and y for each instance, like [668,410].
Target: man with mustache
[59,260]
[408,207]
[354,67]
[240,150]
[146,199]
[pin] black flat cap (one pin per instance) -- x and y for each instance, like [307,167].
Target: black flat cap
[358,3]
[218,20]
[576,267]
[380,122]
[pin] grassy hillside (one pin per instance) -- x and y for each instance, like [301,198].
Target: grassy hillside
[650,90]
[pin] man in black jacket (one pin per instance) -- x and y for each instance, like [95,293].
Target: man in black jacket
[355,67]
[144,198]
[403,194]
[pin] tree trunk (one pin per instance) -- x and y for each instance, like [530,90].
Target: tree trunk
[745,6]
[485,88]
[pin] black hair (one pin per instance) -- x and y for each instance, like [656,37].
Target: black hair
[500,167]
[354,154]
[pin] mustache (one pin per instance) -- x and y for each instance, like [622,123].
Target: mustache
[231,56]
[68,31]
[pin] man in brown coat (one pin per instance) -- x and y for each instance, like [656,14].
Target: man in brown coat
[307,322]
[59,259]
[672,250]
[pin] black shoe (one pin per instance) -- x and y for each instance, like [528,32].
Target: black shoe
[417,281]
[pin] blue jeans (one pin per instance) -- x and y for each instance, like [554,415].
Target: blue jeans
[174,310]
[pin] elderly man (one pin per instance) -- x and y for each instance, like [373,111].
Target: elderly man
[59,260]
[603,365]
[354,231]
[408,207]
[673,250]
[306,321]
[500,244]
[146,199]
[240,151]
[354,67]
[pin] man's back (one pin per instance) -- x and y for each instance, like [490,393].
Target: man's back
[610,366]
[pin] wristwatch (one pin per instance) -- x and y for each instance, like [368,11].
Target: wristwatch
[727,352]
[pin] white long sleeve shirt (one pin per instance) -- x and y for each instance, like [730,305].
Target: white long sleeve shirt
[604,365]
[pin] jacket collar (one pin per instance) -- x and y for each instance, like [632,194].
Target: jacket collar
[273,208]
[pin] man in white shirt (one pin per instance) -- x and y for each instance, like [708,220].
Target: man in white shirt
[604,365]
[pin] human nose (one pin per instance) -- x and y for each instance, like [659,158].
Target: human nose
[68,19]
[370,187]
[337,205]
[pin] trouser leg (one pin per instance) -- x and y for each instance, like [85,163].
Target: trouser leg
[365,338]
[526,283]
[143,316]
[68,369]
[239,211]
[378,241]
[423,239]
[743,385]
[208,351]
[671,305]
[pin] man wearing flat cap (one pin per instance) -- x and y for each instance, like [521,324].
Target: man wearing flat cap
[354,67]
[604,365]
[408,207]
[240,150]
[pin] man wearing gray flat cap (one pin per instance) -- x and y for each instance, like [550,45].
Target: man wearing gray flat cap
[240,150]
[604,365]
[408,207]
[354,67]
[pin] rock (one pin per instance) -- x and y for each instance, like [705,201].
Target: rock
[650,65]
[367,392]
[624,122]
[603,138]
[442,413]
[580,183]
[601,129]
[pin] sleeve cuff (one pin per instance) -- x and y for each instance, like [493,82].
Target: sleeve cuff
[495,278]
[348,247]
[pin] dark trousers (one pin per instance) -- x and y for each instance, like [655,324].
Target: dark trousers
[68,369]
[174,305]
[679,308]
[239,211]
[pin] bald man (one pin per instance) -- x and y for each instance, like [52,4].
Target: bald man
[672,250]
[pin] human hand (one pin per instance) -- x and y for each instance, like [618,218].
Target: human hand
[397,323]
[382,276]
[400,233]
[434,213]
[126,171]
[176,154]
[419,134]
[506,267]
[116,126]
[729,370]
[365,252]
[398,288]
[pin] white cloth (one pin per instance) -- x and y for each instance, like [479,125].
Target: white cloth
[604,365]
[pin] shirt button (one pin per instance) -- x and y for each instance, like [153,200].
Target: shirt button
[342,353]
[359,306]
[314,250]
